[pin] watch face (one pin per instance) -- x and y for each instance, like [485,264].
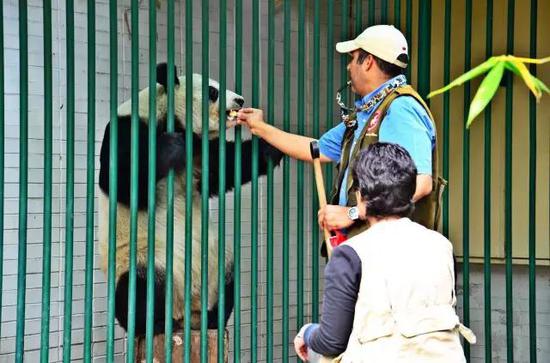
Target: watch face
[353,213]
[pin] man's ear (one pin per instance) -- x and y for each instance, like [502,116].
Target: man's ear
[369,62]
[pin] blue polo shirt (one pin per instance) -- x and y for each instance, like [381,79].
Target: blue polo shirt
[406,123]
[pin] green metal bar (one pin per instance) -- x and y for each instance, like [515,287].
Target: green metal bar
[188,176]
[270,203]
[113,167]
[47,227]
[508,191]
[254,192]
[2,150]
[169,293]
[408,35]
[286,179]
[221,172]
[301,114]
[397,13]
[330,84]
[23,179]
[237,192]
[424,46]
[384,11]
[69,195]
[134,160]
[358,16]
[345,35]
[315,203]
[90,188]
[204,183]
[466,178]
[446,114]
[151,183]
[487,199]
[372,13]
[532,193]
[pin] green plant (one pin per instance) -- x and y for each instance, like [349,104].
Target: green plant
[495,67]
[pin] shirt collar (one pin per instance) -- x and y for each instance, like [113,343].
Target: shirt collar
[359,103]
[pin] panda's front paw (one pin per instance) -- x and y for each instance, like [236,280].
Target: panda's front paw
[269,152]
[170,153]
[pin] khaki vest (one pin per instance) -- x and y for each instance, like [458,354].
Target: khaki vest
[428,209]
[405,310]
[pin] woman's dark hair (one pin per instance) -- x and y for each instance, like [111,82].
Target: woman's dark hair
[389,69]
[385,176]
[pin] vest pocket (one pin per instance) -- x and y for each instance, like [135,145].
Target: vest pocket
[426,320]
[376,325]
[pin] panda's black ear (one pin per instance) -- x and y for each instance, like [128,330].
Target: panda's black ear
[162,75]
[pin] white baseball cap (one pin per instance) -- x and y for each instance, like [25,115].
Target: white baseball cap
[384,41]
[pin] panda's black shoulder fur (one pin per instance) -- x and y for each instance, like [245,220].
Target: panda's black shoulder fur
[266,153]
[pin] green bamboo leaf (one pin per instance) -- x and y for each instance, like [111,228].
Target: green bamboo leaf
[473,73]
[539,86]
[485,92]
[531,60]
[527,78]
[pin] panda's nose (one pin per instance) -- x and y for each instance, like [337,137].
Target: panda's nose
[239,101]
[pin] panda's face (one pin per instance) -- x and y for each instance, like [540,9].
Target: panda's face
[232,101]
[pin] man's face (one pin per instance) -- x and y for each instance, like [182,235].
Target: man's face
[358,73]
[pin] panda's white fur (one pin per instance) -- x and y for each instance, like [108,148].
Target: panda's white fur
[123,212]
[179,104]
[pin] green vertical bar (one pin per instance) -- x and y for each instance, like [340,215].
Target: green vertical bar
[23,173]
[90,188]
[408,35]
[344,36]
[397,13]
[254,192]
[330,84]
[487,198]
[315,204]
[151,183]
[270,118]
[532,193]
[47,229]
[113,167]
[466,177]
[221,172]
[69,195]
[237,192]
[508,191]
[169,293]
[372,12]
[301,114]
[286,178]
[384,11]
[358,16]
[424,46]
[204,184]
[2,150]
[446,114]
[134,160]
[188,174]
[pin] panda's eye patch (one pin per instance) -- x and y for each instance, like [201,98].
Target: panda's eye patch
[213,93]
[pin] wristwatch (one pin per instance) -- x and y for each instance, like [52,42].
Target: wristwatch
[353,213]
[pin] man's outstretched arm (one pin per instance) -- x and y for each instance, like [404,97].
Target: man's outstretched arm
[295,146]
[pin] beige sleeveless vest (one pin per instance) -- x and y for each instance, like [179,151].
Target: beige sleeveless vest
[405,310]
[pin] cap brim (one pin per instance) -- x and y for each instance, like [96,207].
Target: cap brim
[346,47]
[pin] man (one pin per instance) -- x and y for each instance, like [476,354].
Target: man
[389,110]
[389,291]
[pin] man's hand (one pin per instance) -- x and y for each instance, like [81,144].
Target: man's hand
[300,347]
[252,118]
[334,217]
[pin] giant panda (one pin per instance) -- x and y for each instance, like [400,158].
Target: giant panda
[171,155]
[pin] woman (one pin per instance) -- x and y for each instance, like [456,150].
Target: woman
[389,291]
